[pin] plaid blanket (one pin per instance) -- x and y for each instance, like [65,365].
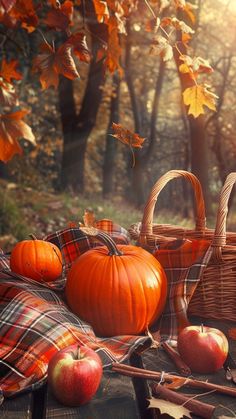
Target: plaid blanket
[35,322]
[73,242]
[184,261]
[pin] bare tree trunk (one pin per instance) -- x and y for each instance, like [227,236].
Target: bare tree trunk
[141,156]
[77,128]
[111,144]
[198,143]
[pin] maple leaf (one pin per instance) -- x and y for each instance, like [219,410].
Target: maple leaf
[12,128]
[126,136]
[113,50]
[160,46]
[60,17]
[197,97]
[8,70]
[172,409]
[187,8]
[24,11]
[194,66]
[80,48]
[177,24]
[50,63]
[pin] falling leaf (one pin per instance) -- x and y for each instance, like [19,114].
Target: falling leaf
[60,18]
[50,63]
[126,136]
[172,409]
[196,97]
[8,70]
[12,128]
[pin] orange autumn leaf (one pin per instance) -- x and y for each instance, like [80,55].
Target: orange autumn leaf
[8,71]
[50,63]
[126,136]
[7,4]
[80,48]
[101,10]
[176,383]
[60,17]
[113,50]
[24,11]
[13,128]
[194,66]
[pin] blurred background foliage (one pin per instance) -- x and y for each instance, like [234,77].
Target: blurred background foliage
[33,195]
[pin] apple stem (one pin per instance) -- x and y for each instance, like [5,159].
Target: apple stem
[78,354]
[202,328]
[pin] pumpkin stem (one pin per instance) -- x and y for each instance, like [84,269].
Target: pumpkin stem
[103,238]
[32,236]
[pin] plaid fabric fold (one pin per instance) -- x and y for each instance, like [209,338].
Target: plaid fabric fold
[184,262]
[34,324]
[73,242]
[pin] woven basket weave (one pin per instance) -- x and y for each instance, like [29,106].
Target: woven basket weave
[215,296]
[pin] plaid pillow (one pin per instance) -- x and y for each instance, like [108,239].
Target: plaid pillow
[184,261]
[35,324]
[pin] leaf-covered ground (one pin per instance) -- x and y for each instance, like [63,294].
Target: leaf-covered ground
[25,210]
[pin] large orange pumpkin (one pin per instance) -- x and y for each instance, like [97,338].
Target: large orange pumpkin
[36,259]
[118,289]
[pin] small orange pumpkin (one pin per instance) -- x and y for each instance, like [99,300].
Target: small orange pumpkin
[36,259]
[118,289]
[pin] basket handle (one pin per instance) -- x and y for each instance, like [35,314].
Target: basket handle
[219,239]
[147,221]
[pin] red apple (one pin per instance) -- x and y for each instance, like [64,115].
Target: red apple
[74,375]
[203,349]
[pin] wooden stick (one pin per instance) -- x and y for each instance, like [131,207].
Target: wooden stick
[155,375]
[201,409]
[179,363]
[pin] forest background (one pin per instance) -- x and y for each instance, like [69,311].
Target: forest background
[128,76]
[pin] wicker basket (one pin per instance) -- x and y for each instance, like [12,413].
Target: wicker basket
[215,296]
